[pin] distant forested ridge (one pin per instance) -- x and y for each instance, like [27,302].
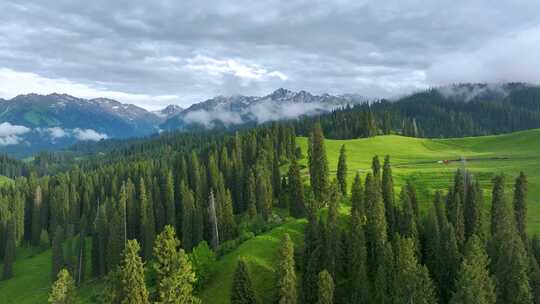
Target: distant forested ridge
[456,111]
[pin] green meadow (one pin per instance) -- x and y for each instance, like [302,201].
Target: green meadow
[419,160]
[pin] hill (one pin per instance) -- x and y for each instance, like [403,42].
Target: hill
[419,160]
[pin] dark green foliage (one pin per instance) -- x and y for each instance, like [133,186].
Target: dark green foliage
[318,164]
[148,226]
[9,251]
[188,217]
[296,191]
[412,281]
[509,262]
[474,284]
[287,285]
[242,290]
[341,174]
[57,252]
[36,216]
[325,288]
[376,233]
[520,205]
[357,198]
[356,263]
[388,195]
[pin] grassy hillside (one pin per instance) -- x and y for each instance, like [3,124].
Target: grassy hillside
[417,159]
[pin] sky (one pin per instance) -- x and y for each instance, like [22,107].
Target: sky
[154,53]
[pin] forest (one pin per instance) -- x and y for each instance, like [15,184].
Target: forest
[150,222]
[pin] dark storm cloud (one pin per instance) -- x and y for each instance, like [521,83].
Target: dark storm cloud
[158,52]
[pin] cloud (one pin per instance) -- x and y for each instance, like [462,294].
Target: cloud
[208,118]
[156,52]
[507,58]
[88,134]
[10,134]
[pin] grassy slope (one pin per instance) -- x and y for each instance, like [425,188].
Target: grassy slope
[411,158]
[416,159]
[260,254]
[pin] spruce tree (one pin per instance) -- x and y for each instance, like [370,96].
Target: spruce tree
[356,268]
[357,198]
[213,221]
[295,187]
[188,214]
[148,227]
[250,195]
[131,275]
[325,288]
[413,284]
[388,195]
[57,252]
[116,239]
[520,205]
[167,185]
[36,216]
[376,223]
[509,261]
[318,164]
[341,174]
[63,290]
[287,292]
[474,284]
[9,251]
[174,275]
[242,290]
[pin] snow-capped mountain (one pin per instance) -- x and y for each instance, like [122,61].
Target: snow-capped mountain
[280,104]
[32,122]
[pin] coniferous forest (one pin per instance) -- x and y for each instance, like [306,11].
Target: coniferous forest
[151,221]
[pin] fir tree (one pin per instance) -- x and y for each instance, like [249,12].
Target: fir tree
[388,195]
[296,191]
[63,290]
[188,214]
[168,198]
[174,275]
[376,223]
[242,290]
[341,174]
[413,284]
[356,269]
[474,284]
[325,288]
[148,227]
[57,252]
[520,205]
[131,275]
[318,164]
[36,216]
[9,251]
[251,196]
[286,273]
[357,198]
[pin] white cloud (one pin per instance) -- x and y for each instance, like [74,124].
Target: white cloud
[13,83]
[243,70]
[57,132]
[9,134]
[511,57]
[88,134]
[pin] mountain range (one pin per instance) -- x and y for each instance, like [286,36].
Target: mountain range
[31,123]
